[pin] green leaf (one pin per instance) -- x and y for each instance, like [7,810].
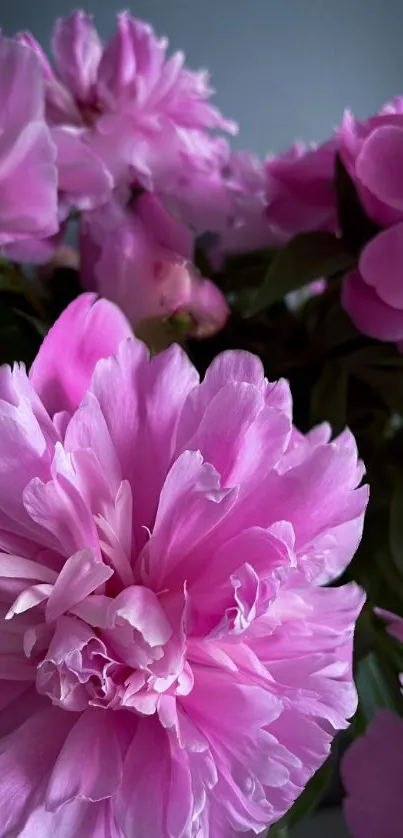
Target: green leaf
[378,686]
[329,396]
[307,802]
[13,281]
[357,228]
[307,257]
[386,383]
[277,831]
[396,525]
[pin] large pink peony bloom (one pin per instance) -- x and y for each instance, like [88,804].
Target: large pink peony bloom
[170,666]
[131,105]
[140,258]
[372,770]
[28,177]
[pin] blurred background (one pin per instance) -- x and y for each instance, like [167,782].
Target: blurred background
[283,69]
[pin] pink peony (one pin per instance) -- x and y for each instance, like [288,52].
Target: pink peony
[372,773]
[134,108]
[372,152]
[139,257]
[170,666]
[28,177]
[372,769]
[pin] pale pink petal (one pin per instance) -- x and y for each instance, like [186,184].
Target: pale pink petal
[84,180]
[26,758]
[89,766]
[77,50]
[80,576]
[87,331]
[28,177]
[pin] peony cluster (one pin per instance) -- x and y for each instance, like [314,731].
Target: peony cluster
[116,121]
[171,663]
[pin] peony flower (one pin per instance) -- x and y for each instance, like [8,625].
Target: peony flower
[372,152]
[140,258]
[170,665]
[372,769]
[300,190]
[134,108]
[372,772]
[28,177]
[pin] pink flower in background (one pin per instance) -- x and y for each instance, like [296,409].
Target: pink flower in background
[300,190]
[28,177]
[372,152]
[372,769]
[372,772]
[140,258]
[164,637]
[137,110]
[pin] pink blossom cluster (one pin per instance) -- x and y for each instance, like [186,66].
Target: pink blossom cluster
[115,121]
[171,662]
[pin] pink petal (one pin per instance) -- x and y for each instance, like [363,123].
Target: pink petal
[86,331]
[80,576]
[19,568]
[89,766]
[27,756]
[141,609]
[369,314]
[77,50]
[84,179]
[28,177]
[380,265]
[379,165]
[192,505]
[144,417]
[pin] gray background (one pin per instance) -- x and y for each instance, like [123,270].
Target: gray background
[284,69]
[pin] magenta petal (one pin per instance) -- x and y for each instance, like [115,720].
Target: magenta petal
[88,330]
[381,263]
[26,758]
[369,314]
[379,165]
[89,766]
[77,50]
[84,180]
[28,176]
[80,576]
